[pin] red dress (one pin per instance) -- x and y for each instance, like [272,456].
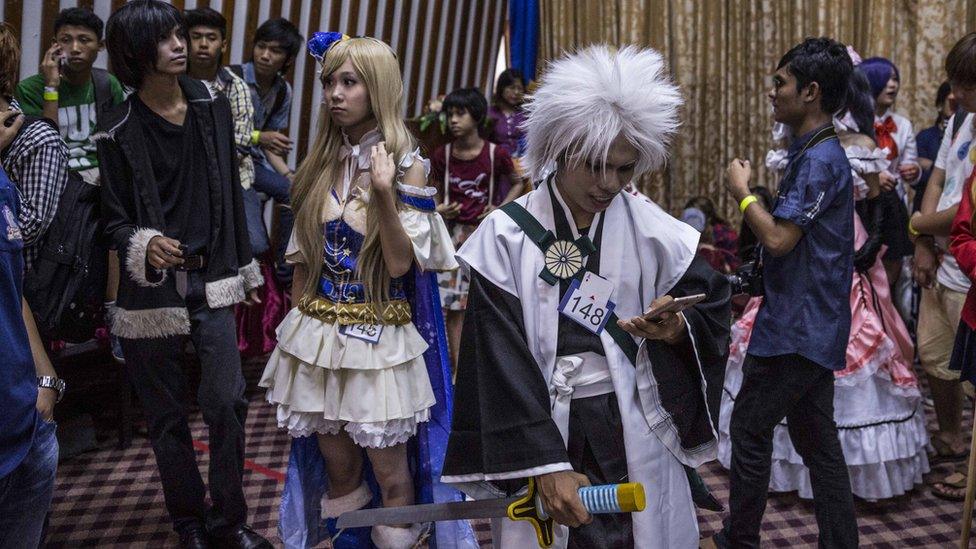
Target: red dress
[962,244]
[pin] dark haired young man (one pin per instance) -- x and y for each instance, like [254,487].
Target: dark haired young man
[801,332]
[945,283]
[64,89]
[276,44]
[172,205]
[207,30]
[68,91]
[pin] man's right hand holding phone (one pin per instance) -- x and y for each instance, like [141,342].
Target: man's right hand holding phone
[663,320]
[10,123]
[51,66]
[163,252]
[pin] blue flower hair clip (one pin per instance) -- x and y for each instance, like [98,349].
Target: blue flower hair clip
[320,43]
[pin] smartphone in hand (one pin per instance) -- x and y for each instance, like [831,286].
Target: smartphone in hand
[676,306]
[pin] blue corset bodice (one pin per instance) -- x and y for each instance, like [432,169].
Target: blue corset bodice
[337,283]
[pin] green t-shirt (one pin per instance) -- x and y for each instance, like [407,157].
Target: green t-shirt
[76,114]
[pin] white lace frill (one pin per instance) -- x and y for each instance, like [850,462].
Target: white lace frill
[408,160]
[881,428]
[432,246]
[322,380]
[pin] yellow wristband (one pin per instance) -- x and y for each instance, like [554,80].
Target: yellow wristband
[746,202]
[255,137]
[50,95]
[911,229]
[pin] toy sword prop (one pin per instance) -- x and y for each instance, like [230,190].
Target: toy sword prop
[608,498]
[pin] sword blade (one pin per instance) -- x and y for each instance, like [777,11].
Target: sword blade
[430,512]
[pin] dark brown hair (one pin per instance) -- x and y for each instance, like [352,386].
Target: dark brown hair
[960,64]
[133,34]
[9,60]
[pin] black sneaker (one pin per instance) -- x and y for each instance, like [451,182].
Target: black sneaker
[194,538]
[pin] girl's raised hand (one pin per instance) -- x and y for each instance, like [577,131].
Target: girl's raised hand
[382,170]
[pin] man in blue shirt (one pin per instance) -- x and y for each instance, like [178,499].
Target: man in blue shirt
[28,447]
[276,44]
[801,331]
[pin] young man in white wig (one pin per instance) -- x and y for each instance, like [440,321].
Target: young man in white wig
[568,373]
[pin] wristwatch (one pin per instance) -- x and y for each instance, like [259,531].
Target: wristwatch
[51,382]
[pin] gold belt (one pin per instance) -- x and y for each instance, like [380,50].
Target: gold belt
[394,313]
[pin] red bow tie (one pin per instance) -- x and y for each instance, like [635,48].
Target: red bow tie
[885,132]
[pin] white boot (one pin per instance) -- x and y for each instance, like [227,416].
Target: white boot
[392,537]
[353,501]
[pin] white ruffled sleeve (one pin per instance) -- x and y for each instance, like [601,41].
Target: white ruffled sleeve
[777,159]
[293,255]
[432,246]
[408,160]
[865,161]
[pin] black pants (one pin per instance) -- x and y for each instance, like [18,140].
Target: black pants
[155,369]
[800,390]
[596,449]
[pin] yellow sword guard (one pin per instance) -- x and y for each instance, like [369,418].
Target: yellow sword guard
[526,509]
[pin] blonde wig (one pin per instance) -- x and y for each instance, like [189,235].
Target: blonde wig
[587,98]
[377,67]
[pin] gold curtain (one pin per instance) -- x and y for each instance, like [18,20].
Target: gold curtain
[722,52]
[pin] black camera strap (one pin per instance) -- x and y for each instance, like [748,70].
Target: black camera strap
[824,134]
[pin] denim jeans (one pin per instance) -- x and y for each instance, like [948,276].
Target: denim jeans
[256,231]
[802,391]
[278,187]
[155,367]
[25,493]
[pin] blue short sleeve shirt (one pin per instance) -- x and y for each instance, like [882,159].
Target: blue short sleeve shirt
[806,309]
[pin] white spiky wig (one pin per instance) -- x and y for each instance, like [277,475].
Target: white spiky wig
[587,98]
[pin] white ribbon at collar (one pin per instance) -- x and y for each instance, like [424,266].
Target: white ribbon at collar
[356,157]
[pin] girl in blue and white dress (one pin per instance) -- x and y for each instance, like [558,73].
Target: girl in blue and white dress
[361,364]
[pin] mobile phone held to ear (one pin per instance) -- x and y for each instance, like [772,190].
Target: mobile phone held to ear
[10,121]
[679,304]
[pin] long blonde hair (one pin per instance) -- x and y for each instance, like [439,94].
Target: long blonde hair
[376,65]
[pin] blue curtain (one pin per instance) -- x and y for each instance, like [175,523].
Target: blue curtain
[523,18]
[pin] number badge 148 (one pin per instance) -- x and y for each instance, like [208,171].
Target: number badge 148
[588,302]
[370,333]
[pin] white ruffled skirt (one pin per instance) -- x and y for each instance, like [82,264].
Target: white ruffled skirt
[323,381]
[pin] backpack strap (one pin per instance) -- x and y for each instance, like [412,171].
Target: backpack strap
[447,173]
[958,121]
[491,173]
[543,239]
[103,91]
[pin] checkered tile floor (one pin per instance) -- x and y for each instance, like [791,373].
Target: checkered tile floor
[112,498]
